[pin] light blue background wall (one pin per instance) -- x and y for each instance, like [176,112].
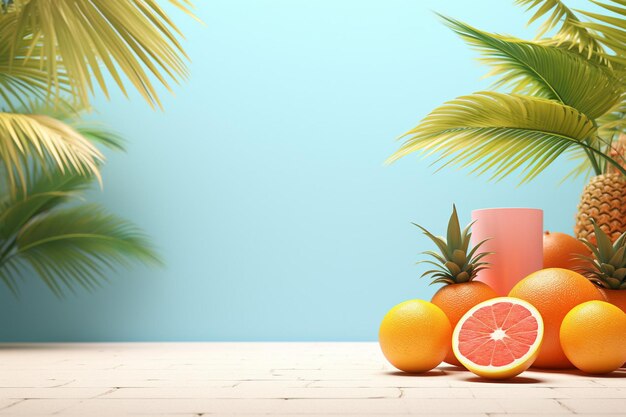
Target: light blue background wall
[263,181]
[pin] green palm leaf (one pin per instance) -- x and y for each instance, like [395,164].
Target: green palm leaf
[583,167]
[45,190]
[570,29]
[75,246]
[613,123]
[610,127]
[546,71]
[500,133]
[45,193]
[81,38]
[28,138]
[609,29]
[64,247]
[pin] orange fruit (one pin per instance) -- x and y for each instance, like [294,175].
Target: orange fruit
[554,292]
[414,336]
[560,251]
[498,338]
[615,297]
[593,336]
[455,300]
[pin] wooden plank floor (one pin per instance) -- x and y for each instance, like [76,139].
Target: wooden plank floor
[281,379]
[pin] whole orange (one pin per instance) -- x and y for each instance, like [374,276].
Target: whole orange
[593,336]
[560,251]
[414,336]
[554,292]
[455,300]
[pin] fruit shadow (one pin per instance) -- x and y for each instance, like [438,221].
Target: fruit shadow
[619,373]
[452,368]
[473,378]
[514,380]
[431,373]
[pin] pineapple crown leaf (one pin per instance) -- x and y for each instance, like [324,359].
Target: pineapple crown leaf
[591,247]
[455,263]
[481,268]
[442,280]
[589,259]
[618,257]
[439,241]
[620,241]
[453,235]
[435,255]
[481,255]
[438,265]
[607,265]
[605,247]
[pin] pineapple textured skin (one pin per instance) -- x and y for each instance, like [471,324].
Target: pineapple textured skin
[604,200]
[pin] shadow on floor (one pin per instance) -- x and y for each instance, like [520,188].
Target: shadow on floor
[620,373]
[431,373]
[514,380]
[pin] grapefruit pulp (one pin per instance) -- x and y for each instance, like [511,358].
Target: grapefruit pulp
[498,338]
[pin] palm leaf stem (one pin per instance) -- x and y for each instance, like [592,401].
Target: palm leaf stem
[606,158]
[599,153]
[609,147]
[590,150]
[594,162]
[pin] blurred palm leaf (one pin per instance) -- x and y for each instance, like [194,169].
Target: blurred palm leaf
[74,246]
[596,36]
[80,38]
[546,71]
[94,131]
[23,78]
[570,29]
[609,29]
[46,230]
[613,124]
[43,140]
[500,133]
[44,193]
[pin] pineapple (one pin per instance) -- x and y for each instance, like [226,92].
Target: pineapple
[457,267]
[455,264]
[607,265]
[604,200]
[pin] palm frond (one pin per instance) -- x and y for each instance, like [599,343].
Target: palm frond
[570,30]
[77,246]
[21,76]
[45,189]
[44,192]
[612,124]
[500,133]
[30,138]
[582,168]
[610,30]
[82,38]
[546,71]
[73,116]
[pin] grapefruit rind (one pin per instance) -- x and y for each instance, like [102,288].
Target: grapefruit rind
[518,365]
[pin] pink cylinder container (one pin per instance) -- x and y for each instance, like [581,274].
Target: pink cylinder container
[516,238]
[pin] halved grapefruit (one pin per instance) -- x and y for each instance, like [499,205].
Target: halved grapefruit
[498,338]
